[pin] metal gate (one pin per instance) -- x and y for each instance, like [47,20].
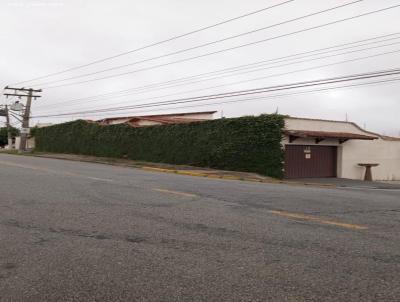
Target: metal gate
[310,161]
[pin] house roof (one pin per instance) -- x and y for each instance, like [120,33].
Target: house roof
[156,116]
[325,134]
[384,137]
[162,120]
[391,138]
[336,121]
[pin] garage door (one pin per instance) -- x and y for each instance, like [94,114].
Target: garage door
[310,161]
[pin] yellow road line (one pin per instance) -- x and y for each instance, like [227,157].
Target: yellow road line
[318,220]
[175,192]
[156,169]
[35,168]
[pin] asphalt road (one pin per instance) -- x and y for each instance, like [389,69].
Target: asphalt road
[72,231]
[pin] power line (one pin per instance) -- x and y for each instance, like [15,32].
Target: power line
[388,81]
[235,68]
[249,66]
[270,76]
[287,73]
[297,62]
[220,51]
[206,44]
[296,85]
[160,42]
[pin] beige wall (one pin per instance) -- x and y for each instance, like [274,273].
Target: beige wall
[30,143]
[384,152]
[17,142]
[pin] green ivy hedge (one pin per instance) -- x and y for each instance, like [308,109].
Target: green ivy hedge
[250,144]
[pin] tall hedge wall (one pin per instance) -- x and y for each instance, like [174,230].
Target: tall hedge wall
[250,144]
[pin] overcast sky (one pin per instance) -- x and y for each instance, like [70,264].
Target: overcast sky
[41,37]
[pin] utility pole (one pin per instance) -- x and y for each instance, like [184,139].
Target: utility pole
[29,94]
[4,112]
[9,136]
[25,122]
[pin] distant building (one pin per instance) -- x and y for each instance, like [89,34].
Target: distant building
[30,142]
[42,125]
[161,119]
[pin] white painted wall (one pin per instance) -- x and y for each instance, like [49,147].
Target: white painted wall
[382,151]
[17,142]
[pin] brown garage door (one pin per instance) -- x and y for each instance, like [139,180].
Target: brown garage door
[310,161]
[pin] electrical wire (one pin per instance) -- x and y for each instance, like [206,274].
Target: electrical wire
[182,81]
[391,81]
[159,42]
[223,50]
[202,45]
[269,76]
[303,84]
[388,81]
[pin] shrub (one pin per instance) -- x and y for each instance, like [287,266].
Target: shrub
[4,135]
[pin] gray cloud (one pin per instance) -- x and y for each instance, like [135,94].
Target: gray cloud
[45,36]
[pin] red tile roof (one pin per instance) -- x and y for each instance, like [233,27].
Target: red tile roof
[135,122]
[172,115]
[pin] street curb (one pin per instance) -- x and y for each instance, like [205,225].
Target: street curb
[183,172]
[190,173]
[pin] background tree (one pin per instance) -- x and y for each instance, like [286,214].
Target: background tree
[3,135]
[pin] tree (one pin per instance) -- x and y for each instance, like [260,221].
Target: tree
[3,135]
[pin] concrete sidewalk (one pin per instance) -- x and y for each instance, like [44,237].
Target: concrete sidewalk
[352,183]
[217,174]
